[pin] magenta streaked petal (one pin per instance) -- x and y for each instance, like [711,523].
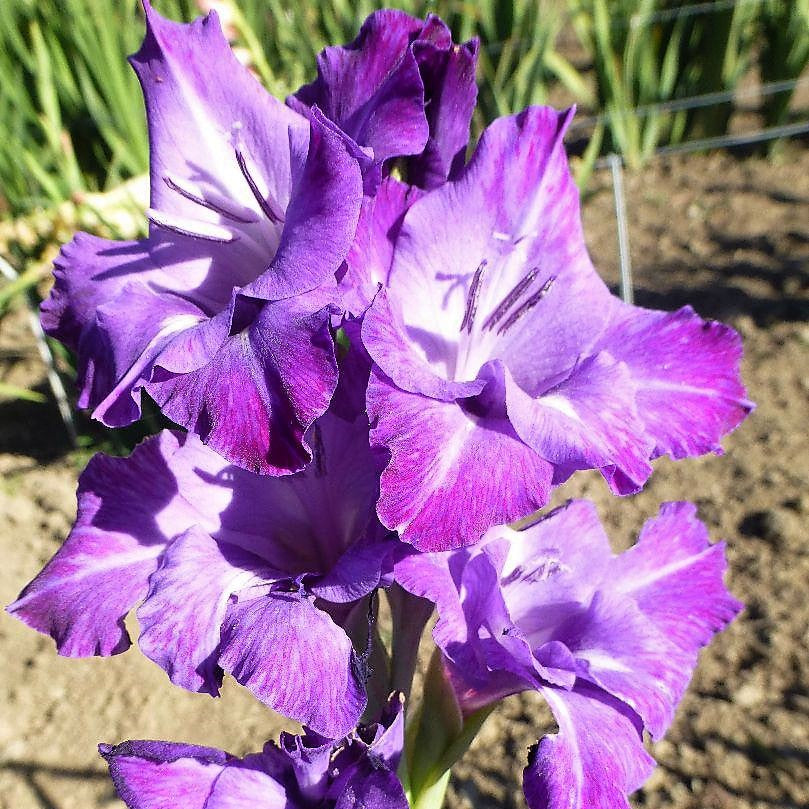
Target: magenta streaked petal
[295,659]
[686,372]
[154,775]
[588,421]
[260,391]
[594,761]
[451,474]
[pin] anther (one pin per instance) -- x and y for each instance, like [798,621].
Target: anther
[271,212]
[527,306]
[213,202]
[510,299]
[472,299]
[191,227]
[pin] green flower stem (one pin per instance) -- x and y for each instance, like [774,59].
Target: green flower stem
[438,735]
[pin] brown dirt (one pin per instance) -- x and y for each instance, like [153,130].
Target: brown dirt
[729,236]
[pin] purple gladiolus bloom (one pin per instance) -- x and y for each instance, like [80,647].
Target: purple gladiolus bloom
[301,772]
[222,314]
[237,572]
[502,362]
[401,88]
[609,641]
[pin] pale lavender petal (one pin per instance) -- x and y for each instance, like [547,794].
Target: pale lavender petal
[126,515]
[594,761]
[371,87]
[451,474]
[371,254]
[423,371]
[182,614]
[295,659]
[588,421]
[625,654]
[686,373]
[155,775]
[675,576]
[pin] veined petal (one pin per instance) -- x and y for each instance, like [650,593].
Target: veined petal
[260,391]
[183,612]
[594,761]
[295,659]
[127,511]
[371,88]
[154,775]
[451,474]
[686,372]
[588,421]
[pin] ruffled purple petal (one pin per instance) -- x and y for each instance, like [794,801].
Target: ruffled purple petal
[155,775]
[180,619]
[128,509]
[451,474]
[260,391]
[674,574]
[588,421]
[594,761]
[450,93]
[686,373]
[371,88]
[295,659]
[372,787]
[320,220]
[241,786]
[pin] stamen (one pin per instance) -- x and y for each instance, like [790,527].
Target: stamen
[212,201]
[318,452]
[270,211]
[510,299]
[527,306]
[500,236]
[472,299]
[191,227]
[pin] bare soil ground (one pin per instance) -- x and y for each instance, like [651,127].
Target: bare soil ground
[730,236]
